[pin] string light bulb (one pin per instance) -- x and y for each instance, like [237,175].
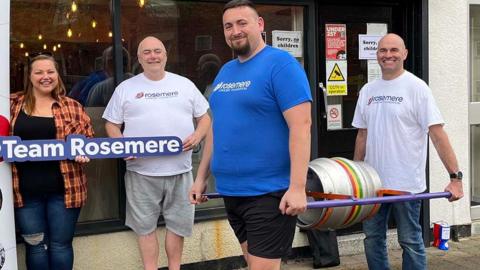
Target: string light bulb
[110,34]
[22,45]
[44,46]
[40,36]
[54,48]
[74,6]
[59,45]
[26,54]
[69,32]
[141,3]
[93,23]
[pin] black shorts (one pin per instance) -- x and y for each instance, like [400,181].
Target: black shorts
[258,221]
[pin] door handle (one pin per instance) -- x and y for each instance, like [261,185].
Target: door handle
[325,100]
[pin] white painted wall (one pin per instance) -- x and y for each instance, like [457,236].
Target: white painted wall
[449,80]
[211,240]
[7,227]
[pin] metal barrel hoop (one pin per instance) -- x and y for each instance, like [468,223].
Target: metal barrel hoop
[340,176]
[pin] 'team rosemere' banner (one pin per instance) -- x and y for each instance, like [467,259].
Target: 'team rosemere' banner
[12,148]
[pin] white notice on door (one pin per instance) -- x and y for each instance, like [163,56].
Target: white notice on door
[290,41]
[374,71]
[334,116]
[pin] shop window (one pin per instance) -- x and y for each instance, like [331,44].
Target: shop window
[474,109]
[475,52]
[193,35]
[79,41]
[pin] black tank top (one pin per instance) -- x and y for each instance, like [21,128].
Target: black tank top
[37,177]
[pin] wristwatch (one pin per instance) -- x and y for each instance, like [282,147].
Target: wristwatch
[457,176]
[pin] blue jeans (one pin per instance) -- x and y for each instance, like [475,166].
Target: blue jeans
[407,215]
[47,228]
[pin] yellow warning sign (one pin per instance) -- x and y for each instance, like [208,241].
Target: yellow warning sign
[336,74]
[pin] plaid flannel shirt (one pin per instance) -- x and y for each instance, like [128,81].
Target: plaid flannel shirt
[70,118]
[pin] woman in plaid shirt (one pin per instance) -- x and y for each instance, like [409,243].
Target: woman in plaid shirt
[48,194]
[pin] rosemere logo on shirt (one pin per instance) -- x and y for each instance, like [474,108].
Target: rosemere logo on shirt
[233,86]
[385,99]
[155,95]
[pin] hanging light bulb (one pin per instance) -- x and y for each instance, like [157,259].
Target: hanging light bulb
[110,34]
[59,45]
[22,45]
[40,36]
[26,54]
[93,22]
[74,6]
[54,48]
[67,15]
[141,3]
[97,40]
[69,32]
[44,46]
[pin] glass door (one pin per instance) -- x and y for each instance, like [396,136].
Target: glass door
[343,70]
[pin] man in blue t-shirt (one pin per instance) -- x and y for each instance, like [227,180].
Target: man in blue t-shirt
[259,147]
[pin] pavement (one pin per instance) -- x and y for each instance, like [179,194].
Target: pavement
[464,255]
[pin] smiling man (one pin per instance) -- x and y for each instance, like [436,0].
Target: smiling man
[158,103]
[394,115]
[261,106]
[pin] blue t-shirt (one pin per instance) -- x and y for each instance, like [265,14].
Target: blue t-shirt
[251,150]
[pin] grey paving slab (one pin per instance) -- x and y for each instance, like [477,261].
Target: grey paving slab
[464,255]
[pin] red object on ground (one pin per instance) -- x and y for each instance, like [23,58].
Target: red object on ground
[436,234]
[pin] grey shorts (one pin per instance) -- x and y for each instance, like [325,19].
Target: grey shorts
[148,197]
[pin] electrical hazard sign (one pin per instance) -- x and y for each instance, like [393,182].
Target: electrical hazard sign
[336,73]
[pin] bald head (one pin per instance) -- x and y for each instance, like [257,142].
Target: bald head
[152,55]
[391,53]
[393,38]
[149,42]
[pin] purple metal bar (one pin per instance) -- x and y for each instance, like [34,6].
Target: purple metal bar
[376,200]
[213,195]
[373,200]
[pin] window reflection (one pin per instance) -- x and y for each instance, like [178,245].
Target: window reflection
[51,26]
[193,36]
[475,52]
[81,42]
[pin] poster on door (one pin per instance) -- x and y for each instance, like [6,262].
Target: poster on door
[374,71]
[336,74]
[367,46]
[378,30]
[334,116]
[290,41]
[335,41]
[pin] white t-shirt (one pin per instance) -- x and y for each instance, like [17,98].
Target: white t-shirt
[157,108]
[397,114]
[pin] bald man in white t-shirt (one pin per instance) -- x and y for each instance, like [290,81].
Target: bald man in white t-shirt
[158,103]
[395,115]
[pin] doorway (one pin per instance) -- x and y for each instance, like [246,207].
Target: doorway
[353,22]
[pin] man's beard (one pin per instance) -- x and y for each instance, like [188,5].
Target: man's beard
[241,50]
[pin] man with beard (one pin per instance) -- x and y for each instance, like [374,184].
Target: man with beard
[259,146]
[158,103]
